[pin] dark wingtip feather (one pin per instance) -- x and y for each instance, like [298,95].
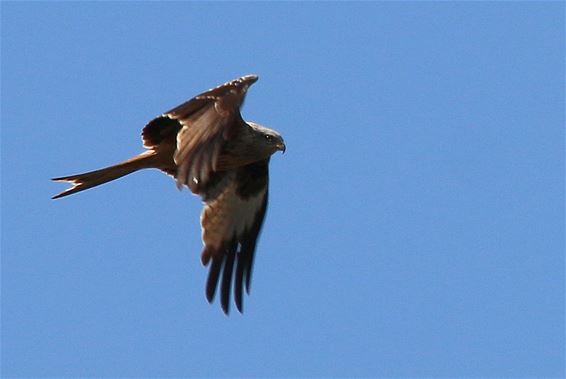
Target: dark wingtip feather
[238,284]
[249,268]
[227,280]
[212,281]
[239,303]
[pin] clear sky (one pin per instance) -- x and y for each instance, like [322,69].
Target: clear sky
[415,225]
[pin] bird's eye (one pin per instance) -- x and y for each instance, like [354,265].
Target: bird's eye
[269,138]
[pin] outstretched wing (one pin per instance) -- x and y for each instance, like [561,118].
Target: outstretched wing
[200,126]
[235,205]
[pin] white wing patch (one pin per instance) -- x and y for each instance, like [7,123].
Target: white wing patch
[228,215]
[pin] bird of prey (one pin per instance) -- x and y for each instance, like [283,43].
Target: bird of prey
[206,145]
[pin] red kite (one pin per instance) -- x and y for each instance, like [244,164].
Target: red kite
[206,145]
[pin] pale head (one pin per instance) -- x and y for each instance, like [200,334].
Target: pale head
[266,140]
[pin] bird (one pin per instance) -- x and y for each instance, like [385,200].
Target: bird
[206,145]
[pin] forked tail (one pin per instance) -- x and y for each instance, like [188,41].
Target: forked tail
[91,179]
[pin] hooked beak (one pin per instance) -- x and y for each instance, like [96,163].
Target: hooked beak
[281,146]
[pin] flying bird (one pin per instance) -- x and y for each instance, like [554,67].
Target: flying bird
[206,145]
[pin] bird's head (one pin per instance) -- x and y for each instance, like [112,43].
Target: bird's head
[267,140]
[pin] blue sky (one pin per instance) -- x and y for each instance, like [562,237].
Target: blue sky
[416,222]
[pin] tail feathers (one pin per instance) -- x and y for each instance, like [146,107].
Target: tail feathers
[91,179]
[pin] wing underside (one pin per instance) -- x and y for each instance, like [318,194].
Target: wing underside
[235,206]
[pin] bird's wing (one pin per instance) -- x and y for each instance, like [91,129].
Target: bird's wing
[235,205]
[201,127]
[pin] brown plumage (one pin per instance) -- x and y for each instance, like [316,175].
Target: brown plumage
[206,145]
